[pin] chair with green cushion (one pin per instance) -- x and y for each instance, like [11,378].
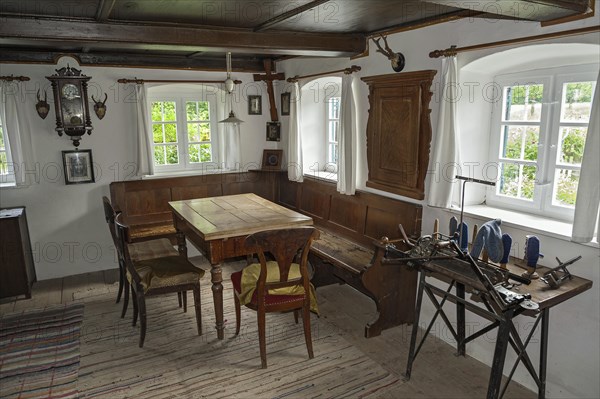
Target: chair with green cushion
[156,276]
[279,285]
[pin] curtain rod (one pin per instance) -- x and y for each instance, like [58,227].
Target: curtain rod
[347,71]
[449,52]
[141,81]
[18,78]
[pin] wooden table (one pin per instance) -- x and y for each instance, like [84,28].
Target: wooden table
[461,278]
[218,227]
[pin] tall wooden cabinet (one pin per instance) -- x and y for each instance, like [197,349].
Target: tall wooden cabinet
[399,132]
[17,270]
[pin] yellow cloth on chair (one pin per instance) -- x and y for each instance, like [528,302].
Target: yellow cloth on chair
[250,276]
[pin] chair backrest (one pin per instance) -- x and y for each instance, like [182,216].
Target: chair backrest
[122,237]
[109,215]
[287,246]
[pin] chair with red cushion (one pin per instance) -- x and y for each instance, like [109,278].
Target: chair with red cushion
[279,285]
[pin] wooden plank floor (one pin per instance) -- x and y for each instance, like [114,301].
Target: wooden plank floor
[437,372]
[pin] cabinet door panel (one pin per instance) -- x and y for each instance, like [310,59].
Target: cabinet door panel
[399,132]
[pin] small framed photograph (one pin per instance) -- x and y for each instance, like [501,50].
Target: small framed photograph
[78,166]
[285,103]
[254,105]
[273,131]
[272,159]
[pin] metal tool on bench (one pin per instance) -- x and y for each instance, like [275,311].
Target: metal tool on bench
[556,276]
[494,279]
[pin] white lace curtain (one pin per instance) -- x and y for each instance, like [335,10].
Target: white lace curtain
[346,183]
[17,130]
[588,193]
[295,169]
[446,156]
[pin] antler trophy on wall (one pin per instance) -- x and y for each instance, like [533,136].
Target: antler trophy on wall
[397,59]
[100,106]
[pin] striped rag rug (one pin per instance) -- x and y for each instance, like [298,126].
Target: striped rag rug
[39,352]
[177,363]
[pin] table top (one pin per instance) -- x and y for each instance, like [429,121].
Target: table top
[236,215]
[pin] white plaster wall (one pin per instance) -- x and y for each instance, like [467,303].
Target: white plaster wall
[66,223]
[574,354]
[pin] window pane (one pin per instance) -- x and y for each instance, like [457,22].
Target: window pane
[169,111]
[333,131]
[157,133]
[3,164]
[577,102]
[509,180]
[203,111]
[193,132]
[565,187]
[157,112]
[204,131]
[205,153]
[572,142]
[194,153]
[334,108]
[532,139]
[172,155]
[191,110]
[528,181]
[512,142]
[523,103]
[171,133]
[159,155]
[332,155]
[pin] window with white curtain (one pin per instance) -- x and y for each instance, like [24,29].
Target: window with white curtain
[320,125]
[538,137]
[6,170]
[184,131]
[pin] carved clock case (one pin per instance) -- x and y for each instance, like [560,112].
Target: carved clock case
[399,132]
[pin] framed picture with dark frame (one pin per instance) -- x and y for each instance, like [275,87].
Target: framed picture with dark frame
[273,131]
[79,167]
[272,159]
[254,105]
[285,103]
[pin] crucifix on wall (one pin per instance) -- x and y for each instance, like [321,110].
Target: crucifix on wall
[269,77]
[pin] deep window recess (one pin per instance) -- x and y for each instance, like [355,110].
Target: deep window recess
[6,169]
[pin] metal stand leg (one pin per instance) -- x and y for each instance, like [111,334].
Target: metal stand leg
[415,327]
[460,320]
[544,352]
[499,356]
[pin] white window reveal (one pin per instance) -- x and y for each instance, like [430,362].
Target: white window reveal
[6,169]
[538,137]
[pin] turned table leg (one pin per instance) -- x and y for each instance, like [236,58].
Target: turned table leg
[217,289]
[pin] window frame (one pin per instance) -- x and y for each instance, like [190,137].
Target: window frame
[549,124]
[329,164]
[182,130]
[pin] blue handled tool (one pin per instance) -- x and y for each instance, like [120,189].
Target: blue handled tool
[507,244]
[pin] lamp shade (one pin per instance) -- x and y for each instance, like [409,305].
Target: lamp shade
[232,119]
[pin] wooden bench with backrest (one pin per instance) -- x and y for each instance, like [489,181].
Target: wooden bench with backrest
[144,204]
[345,252]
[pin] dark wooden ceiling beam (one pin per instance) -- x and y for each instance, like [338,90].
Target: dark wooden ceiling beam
[198,39]
[130,60]
[287,15]
[534,10]
[105,8]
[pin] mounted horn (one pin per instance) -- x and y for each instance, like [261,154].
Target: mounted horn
[42,107]
[397,59]
[100,107]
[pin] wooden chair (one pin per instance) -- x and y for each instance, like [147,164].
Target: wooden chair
[279,285]
[149,249]
[156,276]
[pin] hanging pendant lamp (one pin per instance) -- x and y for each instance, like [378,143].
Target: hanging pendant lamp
[229,86]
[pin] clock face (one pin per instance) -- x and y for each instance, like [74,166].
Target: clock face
[70,91]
